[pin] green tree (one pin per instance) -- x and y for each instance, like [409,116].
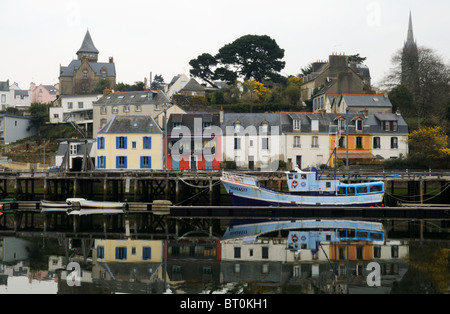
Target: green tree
[428,146]
[137,86]
[253,56]
[204,67]
[39,115]
[402,99]
[158,82]
[101,86]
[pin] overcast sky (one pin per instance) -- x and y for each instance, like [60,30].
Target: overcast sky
[162,36]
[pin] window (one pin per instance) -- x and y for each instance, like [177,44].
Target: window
[146,253]
[315,125]
[126,108]
[121,253]
[341,143]
[101,143]
[237,252]
[394,142]
[265,252]
[394,251]
[115,109]
[121,162]
[359,124]
[315,142]
[80,105]
[147,142]
[100,252]
[297,141]
[390,126]
[377,251]
[3,98]
[265,143]
[101,162]
[237,143]
[176,125]
[146,162]
[359,142]
[103,122]
[85,74]
[121,142]
[137,108]
[70,105]
[296,124]
[133,144]
[103,110]
[73,149]
[376,188]
[361,189]
[376,142]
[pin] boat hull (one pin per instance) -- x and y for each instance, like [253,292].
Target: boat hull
[242,194]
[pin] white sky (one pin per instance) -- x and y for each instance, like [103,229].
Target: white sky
[162,36]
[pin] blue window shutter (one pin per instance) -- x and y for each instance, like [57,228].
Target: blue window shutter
[125,162]
[149,144]
[125,142]
[117,253]
[98,143]
[142,162]
[117,142]
[104,161]
[149,162]
[117,162]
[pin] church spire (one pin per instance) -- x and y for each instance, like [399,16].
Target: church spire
[410,38]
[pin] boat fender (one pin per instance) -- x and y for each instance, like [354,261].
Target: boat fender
[294,184]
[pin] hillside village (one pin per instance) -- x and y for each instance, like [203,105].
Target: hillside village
[187,125]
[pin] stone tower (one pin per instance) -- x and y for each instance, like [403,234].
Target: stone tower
[87,49]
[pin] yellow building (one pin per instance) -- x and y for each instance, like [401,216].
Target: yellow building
[130,251]
[130,142]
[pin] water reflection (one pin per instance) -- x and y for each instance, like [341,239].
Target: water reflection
[199,263]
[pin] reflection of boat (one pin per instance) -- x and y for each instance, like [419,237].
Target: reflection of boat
[342,229]
[84,203]
[53,204]
[305,189]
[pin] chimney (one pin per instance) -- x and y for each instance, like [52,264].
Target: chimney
[365,113]
[111,60]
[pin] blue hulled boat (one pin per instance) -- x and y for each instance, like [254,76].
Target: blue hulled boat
[305,189]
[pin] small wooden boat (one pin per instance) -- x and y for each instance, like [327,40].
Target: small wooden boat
[84,203]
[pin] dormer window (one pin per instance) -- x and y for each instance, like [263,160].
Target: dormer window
[237,126]
[296,125]
[265,126]
[358,124]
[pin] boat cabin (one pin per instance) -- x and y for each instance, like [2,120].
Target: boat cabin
[300,181]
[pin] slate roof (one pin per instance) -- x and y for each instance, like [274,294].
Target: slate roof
[193,85]
[133,98]
[368,101]
[188,120]
[372,124]
[88,45]
[96,67]
[131,124]
[252,119]
[4,86]
[62,148]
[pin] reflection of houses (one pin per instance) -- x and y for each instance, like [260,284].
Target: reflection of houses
[131,266]
[194,257]
[194,141]
[268,261]
[15,249]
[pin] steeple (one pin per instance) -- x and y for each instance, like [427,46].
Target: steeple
[87,49]
[410,37]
